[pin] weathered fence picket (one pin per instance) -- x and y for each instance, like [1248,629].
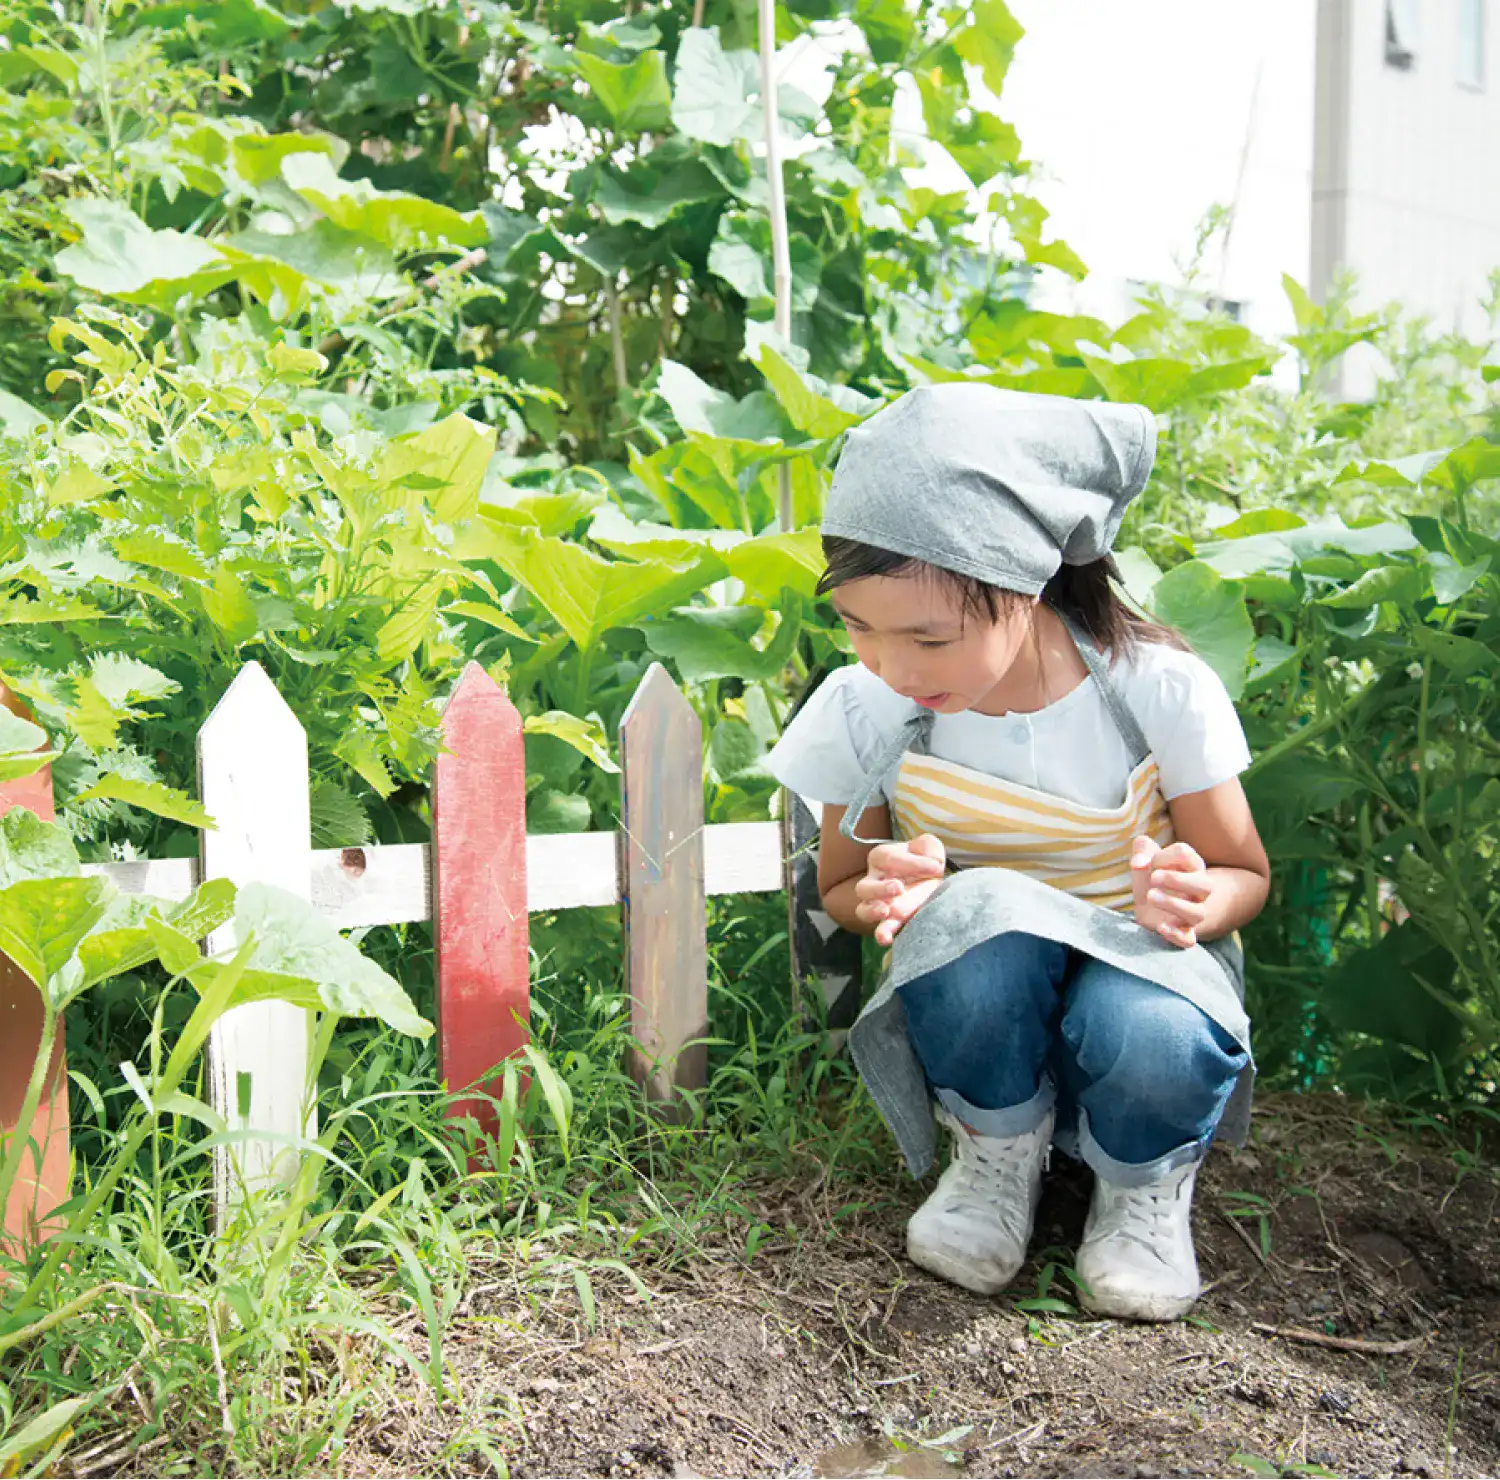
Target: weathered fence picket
[44,1179]
[481,927]
[662,866]
[252,779]
[478,882]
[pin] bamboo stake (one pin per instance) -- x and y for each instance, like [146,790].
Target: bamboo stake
[781,257]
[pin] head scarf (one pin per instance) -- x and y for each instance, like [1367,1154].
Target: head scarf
[1005,486]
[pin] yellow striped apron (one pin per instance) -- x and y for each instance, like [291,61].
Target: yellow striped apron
[985,822]
[1030,862]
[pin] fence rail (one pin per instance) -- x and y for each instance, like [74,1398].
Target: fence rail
[478,880]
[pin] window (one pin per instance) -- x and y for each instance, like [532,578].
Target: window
[1471,31]
[1401,33]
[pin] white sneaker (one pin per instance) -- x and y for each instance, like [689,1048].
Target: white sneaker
[974,1229]
[1137,1254]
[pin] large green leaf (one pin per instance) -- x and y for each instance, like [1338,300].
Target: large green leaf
[1277,551]
[809,402]
[585,734]
[1210,612]
[446,460]
[1393,990]
[341,261]
[225,25]
[43,921]
[650,192]
[634,94]
[33,849]
[714,642]
[714,88]
[123,940]
[119,256]
[292,939]
[586,595]
[18,418]
[698,408]
[258,157]
[776,562]
[1399,583]
[400,221]
[741,255]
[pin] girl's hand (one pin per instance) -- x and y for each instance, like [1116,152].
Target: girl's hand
[899,879]
[1171,890]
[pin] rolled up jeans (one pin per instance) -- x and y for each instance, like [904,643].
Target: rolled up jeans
[1139,1075]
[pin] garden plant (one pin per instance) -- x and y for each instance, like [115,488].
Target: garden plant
[368,339]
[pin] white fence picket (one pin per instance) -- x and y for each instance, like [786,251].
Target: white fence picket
[253,780]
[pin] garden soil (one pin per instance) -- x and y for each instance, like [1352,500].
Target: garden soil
[1351,1325]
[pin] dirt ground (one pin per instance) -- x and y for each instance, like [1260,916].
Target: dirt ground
[829,1355]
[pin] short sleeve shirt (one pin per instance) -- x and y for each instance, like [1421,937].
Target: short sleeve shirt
[1071,749]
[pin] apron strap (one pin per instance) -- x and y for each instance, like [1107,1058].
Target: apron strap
[914,734]
[1114,701]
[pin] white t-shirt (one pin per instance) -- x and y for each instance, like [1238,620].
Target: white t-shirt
[1070,749]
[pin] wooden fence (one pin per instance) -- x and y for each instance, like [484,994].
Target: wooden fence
[478,881]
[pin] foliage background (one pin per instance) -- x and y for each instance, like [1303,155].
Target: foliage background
[366,339]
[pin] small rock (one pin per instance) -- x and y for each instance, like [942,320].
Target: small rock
[1417,1463]
[681,1470]
[973,1351]
[1332,1402]
[1018,1345]
[627,1458]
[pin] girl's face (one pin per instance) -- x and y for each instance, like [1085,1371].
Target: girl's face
[912,632]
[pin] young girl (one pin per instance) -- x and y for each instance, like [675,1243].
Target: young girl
[1075,849]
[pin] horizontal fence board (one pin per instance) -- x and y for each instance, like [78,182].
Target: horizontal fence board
[392,884]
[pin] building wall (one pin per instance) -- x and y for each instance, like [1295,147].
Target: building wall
[1406,187]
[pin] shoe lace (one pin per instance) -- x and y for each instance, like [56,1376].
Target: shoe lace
[992,1173]
[1143,1214]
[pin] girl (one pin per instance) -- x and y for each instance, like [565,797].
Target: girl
[1076,851]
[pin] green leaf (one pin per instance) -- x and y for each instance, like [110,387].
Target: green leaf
[454,453]
[586,595]
[714,642]
[741,255]
[121,678]
[1259,521]
[291,363]
[1399,583]
[225,25]
[1452,581]
[989,41]
[292,939]
[18,418]
[402,222]
[43,921]
[227,604]
[711,101]
[92,718]
[402,632]
[698,408]
[491,616]
[258,157]
[985,146]
[734,752]
[551,811]
[585,735]
[121,257]
[23,746]
[1210,612]
[1394,989]
[158,550]
[802,398]
[149,796]
[33,849]
[40,1434]
[342,261]
[773,562]
[76,484]
[135,927]
[651,193]
[635,95]
[1462,656]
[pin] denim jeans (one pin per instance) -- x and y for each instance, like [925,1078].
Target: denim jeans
[1139,1075]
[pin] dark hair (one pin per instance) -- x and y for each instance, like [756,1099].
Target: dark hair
[1085,593]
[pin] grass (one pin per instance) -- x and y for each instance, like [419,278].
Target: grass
[255,1350]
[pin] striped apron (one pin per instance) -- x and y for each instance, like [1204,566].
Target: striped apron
[1034,863]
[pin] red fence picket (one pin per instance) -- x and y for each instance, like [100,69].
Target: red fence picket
[480,921]
[43,1187]
[662,874]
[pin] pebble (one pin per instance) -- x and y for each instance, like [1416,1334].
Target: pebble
[1018,1344]
[1417,1463]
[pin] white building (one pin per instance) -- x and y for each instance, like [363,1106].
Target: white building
[1358,134]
